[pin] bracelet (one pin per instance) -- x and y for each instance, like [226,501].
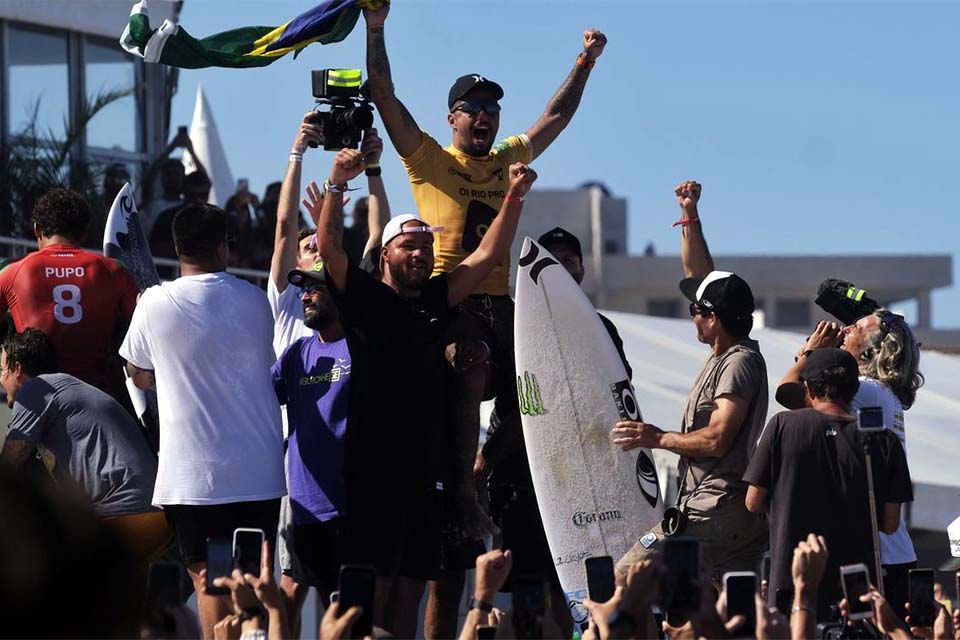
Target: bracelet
[684,222]
[582,61]
[802,355]
[296,157]
[372,170]
[334,188]
[510,198]
[807,609]
[480,605]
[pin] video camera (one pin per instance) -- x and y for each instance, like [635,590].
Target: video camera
[844,301]
[350,112]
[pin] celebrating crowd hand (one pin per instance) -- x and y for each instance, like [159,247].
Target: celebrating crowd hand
[630,435]
[376,17]
[600,612]
[884,617]
[347,165]
[493,567]
[522,178]
[228,628]
[311,130]
[334,626]
[942,628]
[827,334]
[809,562]
[688,195]
[593,43]
[371,147]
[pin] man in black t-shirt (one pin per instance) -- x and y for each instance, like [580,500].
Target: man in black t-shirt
[398,452]
[809,472]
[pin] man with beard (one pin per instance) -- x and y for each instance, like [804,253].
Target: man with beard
[461,187]
[312,378]
[399,323]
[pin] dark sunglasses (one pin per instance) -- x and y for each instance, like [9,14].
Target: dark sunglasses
[313,288]
[473,107]
[695,310]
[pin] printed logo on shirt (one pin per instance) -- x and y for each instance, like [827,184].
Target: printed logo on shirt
[503,145]
[456,172]
[336,372]
[528,391]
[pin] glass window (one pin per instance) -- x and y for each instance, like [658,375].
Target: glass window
[109,68]
[39,81]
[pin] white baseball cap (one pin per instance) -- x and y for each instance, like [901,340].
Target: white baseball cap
[395,228]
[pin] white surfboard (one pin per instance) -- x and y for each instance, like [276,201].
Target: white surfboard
[595,499]
[124,240]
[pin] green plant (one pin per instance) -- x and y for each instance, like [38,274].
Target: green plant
[37,162]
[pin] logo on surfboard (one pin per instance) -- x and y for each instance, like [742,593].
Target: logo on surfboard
[626,401]
[528,391]
[646,471]
[538,265]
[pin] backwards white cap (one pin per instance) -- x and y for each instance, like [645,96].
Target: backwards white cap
[395,228]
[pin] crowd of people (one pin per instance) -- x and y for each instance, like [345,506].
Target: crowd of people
[338,413]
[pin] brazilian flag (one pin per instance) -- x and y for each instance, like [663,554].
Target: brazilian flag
[330,21]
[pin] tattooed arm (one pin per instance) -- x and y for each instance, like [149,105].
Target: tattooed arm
[401,127]
[347,165]
[565,101]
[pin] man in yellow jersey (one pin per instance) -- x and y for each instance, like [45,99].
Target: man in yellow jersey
[461,188]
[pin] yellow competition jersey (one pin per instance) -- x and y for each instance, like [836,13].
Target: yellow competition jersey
[463,194]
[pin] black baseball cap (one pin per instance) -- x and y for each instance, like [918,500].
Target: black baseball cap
[722,292]
[466,84]
[304,278]
[558,235]
[828,358]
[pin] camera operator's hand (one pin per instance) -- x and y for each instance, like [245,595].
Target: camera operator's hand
[376,17]
[593,44]
[182,141]
[347,165]
[371,147]
[493,567]
[522,178]
[771,624]
[884,617]
[809,563]
[688,195]
[827,334]
[311,130]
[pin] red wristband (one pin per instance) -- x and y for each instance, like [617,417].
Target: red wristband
[583,62]
[510,198]
[684,222]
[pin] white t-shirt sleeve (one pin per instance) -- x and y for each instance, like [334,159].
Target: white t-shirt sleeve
[136,344]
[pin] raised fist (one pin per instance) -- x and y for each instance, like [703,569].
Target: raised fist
[688,195]
[371,147]
[347,165]
[522,178]
[593,44]
[376,17]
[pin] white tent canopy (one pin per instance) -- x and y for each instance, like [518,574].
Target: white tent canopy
[666,358]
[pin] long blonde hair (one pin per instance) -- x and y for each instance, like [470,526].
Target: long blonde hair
[894,357]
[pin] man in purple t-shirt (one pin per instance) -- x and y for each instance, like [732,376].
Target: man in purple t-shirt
[312,378]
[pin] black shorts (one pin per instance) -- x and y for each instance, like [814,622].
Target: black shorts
[193,524]
[400,535]
[490,319]
[316,553]
[515,510]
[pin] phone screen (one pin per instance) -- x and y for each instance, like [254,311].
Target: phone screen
[601,582]
[163,584]
[680,590]
[248,550]
[357,585]
[741,588]
[922,610]
[870,419]
[219,563]
[856,584]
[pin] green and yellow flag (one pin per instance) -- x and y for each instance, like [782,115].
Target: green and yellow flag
[330,21]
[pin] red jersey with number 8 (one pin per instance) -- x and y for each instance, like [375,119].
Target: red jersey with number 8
[82,300]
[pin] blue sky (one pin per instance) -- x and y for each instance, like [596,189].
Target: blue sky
[815,127]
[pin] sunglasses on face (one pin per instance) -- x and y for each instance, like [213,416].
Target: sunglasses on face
[696,310]
[310,289]
[473,107]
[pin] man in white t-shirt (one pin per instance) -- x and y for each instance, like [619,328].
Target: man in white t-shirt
[297,249]
[205,340]
[889,358]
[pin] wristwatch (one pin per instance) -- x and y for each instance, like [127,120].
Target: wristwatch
[480,605]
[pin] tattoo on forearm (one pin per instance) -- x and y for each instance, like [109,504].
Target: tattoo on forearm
[334,224]
[567,98]
[377,62]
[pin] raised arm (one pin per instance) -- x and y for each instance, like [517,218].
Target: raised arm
[288,210]
[401,127]
[790,392]
[347,165]
[495,246]
[378,207]
[697,262]
[565,101]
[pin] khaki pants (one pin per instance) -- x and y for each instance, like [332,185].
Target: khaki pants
[731,539]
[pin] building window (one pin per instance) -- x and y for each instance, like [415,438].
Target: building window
[39,81]
[663,308]
[108,69]
[793,312]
